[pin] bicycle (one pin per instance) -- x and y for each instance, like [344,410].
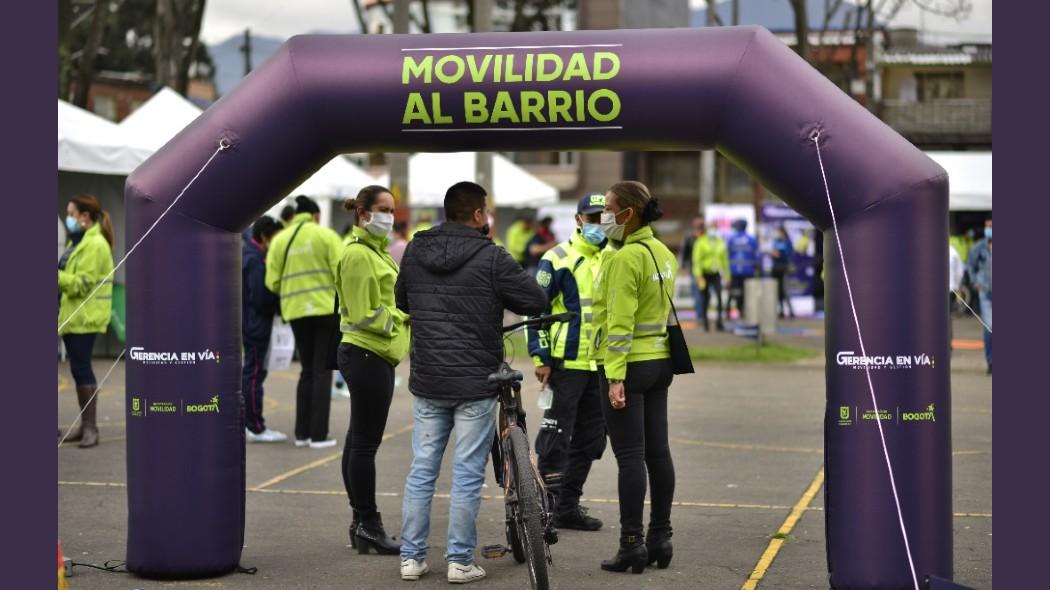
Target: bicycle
[530,524]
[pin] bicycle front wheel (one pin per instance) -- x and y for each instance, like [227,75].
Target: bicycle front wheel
[528,522]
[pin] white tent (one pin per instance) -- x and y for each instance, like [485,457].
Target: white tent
[88,143]
[430,175]
[969,179]
[159,119]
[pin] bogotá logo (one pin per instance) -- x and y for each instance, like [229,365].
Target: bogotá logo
[212,407]
[136,407]
[848,358]
[146,357]
[924,416]
[844,419]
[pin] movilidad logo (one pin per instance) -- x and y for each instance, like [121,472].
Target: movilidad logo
[848,358]
[137,353]
[926,416]
[212,407]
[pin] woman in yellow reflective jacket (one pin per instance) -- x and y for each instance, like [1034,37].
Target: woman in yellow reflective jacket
[86,298]
[375,339]
[635,288]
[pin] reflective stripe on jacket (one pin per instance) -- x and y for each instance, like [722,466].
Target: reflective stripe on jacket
[566,274]
[88,264]
[368,315]
[306,282]
[636,308]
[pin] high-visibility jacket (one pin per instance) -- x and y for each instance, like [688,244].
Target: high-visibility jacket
[710,256]
[89,264]
[421,226]
[368,315]
[306,282]
[635,309]
[566,273]
[518,237]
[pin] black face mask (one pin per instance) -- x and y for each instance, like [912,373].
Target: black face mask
[484,230]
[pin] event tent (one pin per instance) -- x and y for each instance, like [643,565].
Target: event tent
[430,175]
[90,144]
[969,179]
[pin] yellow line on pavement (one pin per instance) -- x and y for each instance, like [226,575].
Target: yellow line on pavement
[778,540]
[742,447]
[101,441]
[62,383]
[315,464]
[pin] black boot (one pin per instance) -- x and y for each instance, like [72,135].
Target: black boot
[632,554]
[88,425]
[370,533]
[658,544]
[576,518]
[354,523]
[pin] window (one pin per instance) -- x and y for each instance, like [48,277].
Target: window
[939,85]
[106,107]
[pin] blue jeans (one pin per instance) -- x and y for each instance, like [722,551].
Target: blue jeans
[986,315]
[698,299]
[475,426]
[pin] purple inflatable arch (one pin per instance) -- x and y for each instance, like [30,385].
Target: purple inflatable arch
[739,90]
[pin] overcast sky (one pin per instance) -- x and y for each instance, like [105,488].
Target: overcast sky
[284,18]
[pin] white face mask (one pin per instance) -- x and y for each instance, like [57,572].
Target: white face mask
[612,229]
[380,224]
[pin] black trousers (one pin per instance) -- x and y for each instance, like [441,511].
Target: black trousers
[314,335]
[783,301]
[78,348]
[571,436]
[736,294]
[370,380]
[638,433]
[712,282]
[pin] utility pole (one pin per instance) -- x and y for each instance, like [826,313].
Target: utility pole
[246,49]
[736,12]
[707,157]
[399,161]
[483,171]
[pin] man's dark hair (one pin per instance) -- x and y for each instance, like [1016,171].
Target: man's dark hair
[304,204]
[264,227]
[462,200]
[287,213]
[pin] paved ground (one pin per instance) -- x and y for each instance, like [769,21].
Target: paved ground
[746,441]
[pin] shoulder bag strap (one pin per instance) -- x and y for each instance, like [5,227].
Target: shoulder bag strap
[661,277]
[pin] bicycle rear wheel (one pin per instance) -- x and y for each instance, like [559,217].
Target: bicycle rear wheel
[529,523]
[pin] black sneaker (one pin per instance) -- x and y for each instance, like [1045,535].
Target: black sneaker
[577,519]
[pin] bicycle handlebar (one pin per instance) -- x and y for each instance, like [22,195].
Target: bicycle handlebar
[542,320]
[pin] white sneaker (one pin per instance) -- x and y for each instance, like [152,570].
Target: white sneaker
[464,574]
[340,392]
[412,570]
[322,444]
[302,442]
[266,436]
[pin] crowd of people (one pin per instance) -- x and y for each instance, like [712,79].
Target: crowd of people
[361,303]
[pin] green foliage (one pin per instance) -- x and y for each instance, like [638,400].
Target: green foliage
[750,353]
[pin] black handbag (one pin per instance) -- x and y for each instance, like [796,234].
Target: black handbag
[680,360]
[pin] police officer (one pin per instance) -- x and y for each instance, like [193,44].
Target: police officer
[632,309]
[572,433]
[743,262]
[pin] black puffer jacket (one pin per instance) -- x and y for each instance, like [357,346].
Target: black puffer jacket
[455,283]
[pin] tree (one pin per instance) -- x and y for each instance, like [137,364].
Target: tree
[176,34]
[128,42]
[86,68]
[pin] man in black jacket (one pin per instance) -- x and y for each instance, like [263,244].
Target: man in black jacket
[258,306]
[455,283]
